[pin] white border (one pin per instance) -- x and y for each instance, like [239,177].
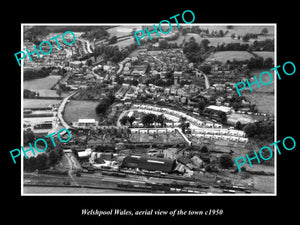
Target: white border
[149,24]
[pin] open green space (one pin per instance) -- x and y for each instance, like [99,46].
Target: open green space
[75,110]
[224,56]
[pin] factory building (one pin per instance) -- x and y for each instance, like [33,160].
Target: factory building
[149,163]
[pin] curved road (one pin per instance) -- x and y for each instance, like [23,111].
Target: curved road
[61,109]
[207,86]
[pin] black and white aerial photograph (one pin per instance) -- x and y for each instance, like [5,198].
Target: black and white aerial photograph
[120,109]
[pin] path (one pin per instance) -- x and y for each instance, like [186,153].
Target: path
[70,169]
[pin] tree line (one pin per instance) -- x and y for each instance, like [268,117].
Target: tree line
[113,53]
[265,45]
[105,103]
[44,160]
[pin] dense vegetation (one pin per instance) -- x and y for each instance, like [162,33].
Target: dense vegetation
[113,53]
[33,73]
[45,160]
[30,74]
[265,45]
[105,103]
[97,33]
[261,131]
[195,52]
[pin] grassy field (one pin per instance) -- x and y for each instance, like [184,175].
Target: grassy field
[230,55]
[122,30]
[265,78]
[124,43]
[264,183]
[37,103]
[80,110]
[239,29]
[265,54]
[243,118]
[264,101]
[43,85]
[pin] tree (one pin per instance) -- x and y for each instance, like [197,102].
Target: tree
[238,125]
[28,136]
[201,104]
[246,38]
[163,44]
[223,117]
[161,119]
[226,161]
[205,43]
[184,31]
[42,161]
[59,92]
[101,108]
[236,106]
[250,129]
[53,158]
[205,69]
[148,119]
[204,149]
[264,31]
[131,119]
[113,40]
[124,120]
[268,62]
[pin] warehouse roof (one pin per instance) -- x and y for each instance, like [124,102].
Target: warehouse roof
[149,163]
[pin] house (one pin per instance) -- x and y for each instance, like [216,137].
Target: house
[85,154]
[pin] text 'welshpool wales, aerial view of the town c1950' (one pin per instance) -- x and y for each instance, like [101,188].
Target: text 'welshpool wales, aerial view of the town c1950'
[162,117]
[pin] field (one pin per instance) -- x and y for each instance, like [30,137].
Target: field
[230,55]
[265,78]
[124,43]
[265,54]
[239,29]
[37,103]
[243,118]
[75,110]
[122,30]
[263,101]
[264,183]
[43,85]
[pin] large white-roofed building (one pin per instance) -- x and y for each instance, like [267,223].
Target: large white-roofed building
[224,109]
[85,123]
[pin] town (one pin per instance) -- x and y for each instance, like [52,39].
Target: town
[162,117]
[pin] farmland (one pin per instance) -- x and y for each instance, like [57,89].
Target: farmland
[122,30]
[80,110]
[239,30]
[265,78]
[265,54]
[43,85]
[38,103]
[263,101]
[262,97]
[230,55]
